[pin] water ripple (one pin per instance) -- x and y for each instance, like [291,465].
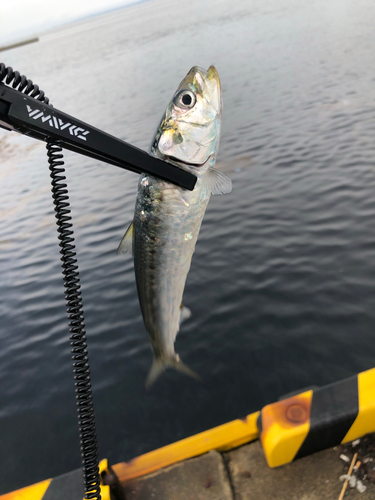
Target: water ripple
[281,285]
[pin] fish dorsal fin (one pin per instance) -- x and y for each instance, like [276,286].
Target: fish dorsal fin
[217,182]
[126,245]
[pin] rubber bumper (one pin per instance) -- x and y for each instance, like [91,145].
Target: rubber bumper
[318,419]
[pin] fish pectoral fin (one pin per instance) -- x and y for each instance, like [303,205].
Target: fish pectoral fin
[185,313]
[159,365]
[217,182]
[126,245]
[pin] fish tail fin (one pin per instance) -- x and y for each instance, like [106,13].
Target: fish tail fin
[178,365]
[159,365]
[157,368]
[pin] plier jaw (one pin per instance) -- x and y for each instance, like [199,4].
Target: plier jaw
[26,115]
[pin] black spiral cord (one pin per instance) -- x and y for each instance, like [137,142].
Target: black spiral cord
[81,371]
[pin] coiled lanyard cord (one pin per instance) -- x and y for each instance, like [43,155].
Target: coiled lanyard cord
[74,307]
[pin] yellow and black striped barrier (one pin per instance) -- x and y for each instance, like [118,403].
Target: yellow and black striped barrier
[66,487]
[318,419]
[221,438]
[288,429]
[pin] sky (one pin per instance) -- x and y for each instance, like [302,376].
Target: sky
[24,18]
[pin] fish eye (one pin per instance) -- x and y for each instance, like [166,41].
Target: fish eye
[185,99]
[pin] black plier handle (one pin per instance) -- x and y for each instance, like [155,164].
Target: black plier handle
[34,118]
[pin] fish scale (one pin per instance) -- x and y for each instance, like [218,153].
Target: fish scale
[166,231]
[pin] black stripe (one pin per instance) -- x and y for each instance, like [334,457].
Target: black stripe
[66,487]
[333,411]
[259,423]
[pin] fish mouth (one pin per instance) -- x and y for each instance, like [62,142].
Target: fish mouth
[210,74]
[174,159]
[213,75]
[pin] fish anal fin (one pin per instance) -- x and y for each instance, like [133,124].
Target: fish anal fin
[126,245]
[217,182]
[185,313]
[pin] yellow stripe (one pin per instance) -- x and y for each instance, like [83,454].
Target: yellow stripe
[34,492]
[105,491]
[221,438]
[365,421]
[281,437]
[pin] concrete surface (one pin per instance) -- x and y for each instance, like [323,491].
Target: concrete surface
[243,474]
[202,478]
[315,477]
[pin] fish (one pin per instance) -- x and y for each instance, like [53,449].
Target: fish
[167,218]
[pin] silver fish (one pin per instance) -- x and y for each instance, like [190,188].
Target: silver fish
[167,218]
